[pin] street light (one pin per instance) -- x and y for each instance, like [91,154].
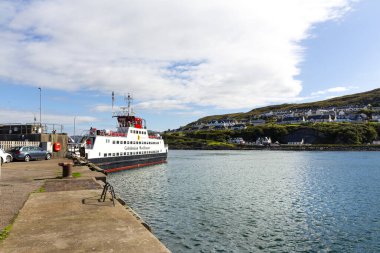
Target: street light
[40,109]
[74,125]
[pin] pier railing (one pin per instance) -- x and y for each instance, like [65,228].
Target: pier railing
[7,145]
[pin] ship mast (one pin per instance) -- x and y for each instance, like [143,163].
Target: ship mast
[129,100]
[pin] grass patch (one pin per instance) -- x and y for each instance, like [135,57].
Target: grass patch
[41,189]
[76,174]
[4,234]
[220,144]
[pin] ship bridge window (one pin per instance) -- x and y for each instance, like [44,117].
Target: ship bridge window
[107,140]
[117,154]
[113,142]
[125,142]
[117,142]
[105,154]
[109,154]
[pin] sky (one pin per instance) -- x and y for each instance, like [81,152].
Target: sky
[180,60]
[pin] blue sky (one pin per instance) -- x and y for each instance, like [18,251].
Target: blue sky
[180,61]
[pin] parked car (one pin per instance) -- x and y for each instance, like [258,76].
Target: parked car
[5,157]
[27,153]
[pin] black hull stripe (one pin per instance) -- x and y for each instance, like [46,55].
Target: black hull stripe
[134,166]
[111,164]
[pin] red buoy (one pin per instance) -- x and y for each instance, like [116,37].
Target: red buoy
[57,147]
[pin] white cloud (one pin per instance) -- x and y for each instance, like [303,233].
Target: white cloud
[162,105]
[338,89]
[102,108]
[221,53]
[15,116]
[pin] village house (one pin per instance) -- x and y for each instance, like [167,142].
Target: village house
[376,117]
[215,123]
[237,140]
[319,118]
[264,141]
[342,118]
[358,118]
[257,122]
[296,141]
[238,127]
[291,120]
[221,127]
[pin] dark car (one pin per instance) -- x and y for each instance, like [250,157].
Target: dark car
[27,153]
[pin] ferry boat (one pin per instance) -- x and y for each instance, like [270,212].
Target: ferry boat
[131,146]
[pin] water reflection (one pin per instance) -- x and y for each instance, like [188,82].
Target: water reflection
[252,201]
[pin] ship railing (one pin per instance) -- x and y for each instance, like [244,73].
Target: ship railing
[73,149]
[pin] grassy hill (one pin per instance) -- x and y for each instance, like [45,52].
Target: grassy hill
[370,97]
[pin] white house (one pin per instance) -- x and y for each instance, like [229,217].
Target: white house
[264,141]
[237,140]
[296,142]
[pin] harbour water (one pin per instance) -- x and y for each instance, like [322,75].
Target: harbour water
[259,201]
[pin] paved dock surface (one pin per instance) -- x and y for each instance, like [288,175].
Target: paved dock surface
[18,180]
[75,221]
[67,217]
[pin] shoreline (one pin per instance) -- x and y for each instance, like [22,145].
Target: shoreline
[289,148]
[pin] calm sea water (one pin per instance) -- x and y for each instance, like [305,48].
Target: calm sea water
[259,201]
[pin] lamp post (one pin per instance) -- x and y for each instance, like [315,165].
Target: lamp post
[74,125]
[40,109]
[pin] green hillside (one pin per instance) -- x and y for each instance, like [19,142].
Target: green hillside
[370,97]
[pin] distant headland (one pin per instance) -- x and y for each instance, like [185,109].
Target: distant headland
[349,122]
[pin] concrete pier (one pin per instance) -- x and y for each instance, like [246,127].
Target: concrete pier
[68,217]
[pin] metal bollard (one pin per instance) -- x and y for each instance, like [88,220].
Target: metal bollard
[66,169]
